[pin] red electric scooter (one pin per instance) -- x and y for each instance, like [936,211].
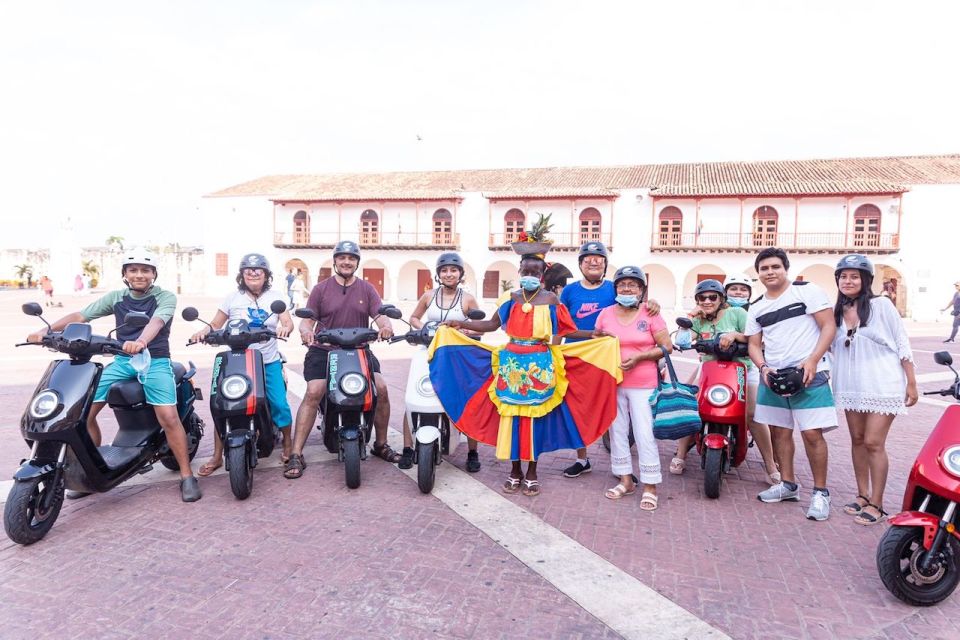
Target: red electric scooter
[722,442]
[919,555]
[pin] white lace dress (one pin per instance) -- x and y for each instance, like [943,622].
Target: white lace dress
[868,375]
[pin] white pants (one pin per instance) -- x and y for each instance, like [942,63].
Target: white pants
[633,405]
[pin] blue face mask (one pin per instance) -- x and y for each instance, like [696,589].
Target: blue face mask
[628,301]
[529,283]
[738,302]
[683,339]
[141,364]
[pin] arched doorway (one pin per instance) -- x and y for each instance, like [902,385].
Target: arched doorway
[822,276]
[415,279]
[499,277]
[888,281]
[298,266]
[661,285]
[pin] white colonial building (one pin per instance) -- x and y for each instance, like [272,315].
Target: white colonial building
[680,223]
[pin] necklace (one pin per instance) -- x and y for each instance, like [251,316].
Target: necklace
[527,307]
[438,300]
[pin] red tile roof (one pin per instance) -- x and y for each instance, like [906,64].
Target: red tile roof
[841,175]
[534,193]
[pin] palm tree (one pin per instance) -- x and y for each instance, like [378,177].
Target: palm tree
[23,271]
[115,241]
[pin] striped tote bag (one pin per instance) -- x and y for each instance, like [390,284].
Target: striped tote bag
[674,407]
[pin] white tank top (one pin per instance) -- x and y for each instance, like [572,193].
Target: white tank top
[437,314]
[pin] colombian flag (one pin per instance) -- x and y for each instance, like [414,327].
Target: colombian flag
[582,407]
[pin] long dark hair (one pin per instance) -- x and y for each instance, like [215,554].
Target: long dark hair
[862,300]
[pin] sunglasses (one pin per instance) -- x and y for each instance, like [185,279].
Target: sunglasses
[850,334]
[253,271]
[710,297]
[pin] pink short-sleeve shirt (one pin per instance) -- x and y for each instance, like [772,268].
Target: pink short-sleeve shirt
[634,338]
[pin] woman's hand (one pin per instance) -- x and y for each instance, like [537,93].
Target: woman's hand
[911,395]
[653,307]
[599,333]
[629,363]
[199,335]
[282,331]
[726,339]
[453,324]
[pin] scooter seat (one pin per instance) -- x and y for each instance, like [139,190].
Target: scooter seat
[126,394]
[178,372]
[117,457]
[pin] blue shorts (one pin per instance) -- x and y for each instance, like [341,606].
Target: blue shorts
[277,395]
[159,385]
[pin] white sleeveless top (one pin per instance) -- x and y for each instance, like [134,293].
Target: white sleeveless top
[437,314]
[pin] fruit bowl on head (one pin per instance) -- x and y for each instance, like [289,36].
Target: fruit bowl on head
[526,248]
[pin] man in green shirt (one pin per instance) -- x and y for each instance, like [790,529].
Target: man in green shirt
[139,271]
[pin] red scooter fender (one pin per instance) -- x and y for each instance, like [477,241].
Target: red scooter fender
[928,521]
[715,441]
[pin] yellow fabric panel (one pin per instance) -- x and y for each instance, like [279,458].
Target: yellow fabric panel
[505,438]
[603,353]
[447,336]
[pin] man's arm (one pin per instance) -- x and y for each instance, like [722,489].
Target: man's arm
[828,330]
[755,350]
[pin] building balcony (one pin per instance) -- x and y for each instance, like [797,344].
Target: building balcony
[561,241]
[859,242]
[386,240]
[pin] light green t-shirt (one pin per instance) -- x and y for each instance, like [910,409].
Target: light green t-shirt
[731,319]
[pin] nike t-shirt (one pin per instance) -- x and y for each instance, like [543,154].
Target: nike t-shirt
[585,304]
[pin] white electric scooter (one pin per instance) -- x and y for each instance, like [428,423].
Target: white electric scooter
[428,422]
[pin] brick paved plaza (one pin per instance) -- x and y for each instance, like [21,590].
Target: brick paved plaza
[310,558]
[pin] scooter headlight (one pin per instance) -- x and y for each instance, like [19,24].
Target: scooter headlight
[44,405]
[719,395]
[353,384]
[425,387]
[951,460]
[234,387]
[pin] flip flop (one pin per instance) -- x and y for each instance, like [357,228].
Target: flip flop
[677,465]
[511,485]
[619,491]
[531,488]
[207,468]
[648,499]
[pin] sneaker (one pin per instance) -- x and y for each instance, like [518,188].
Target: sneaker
[190,489]
[947,340]
[75,495]
[406,458]
[779,493]
[576,469]
[819,507]
[473,461]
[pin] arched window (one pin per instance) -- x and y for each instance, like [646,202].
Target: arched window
[671,223]
[369,227]
[301,228]
[512,225]
[866,226]
[442,227]
[765,227]
[589,225]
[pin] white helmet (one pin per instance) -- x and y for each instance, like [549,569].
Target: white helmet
[139,256]
[738,279]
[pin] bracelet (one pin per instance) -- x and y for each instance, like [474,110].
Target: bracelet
[763,366]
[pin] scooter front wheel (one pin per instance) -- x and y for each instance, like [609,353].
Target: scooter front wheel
[351,462]
[241,475]
[713,471]
[25,519]
[426,465]
[899,556]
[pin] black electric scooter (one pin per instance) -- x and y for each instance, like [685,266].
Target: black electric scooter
[55,427]
[238,397]
[350,401]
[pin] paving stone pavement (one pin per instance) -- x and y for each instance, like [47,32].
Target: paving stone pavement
[312,558]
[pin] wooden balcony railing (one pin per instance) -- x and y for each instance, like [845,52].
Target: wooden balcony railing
[864,242]
[564,241]
[368,239]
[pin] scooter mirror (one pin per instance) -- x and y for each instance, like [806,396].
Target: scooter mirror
[190,314]
[32,309]
[476,314]
[278,306]
[685,323]
[303,312]
[136,319]
[943,357]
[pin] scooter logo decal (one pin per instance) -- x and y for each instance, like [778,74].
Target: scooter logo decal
[741,383]
[332,366]
[215,377]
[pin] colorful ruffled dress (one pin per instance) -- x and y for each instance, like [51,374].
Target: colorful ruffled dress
[527,397]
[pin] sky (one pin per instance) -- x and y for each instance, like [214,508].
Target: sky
[119,116]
